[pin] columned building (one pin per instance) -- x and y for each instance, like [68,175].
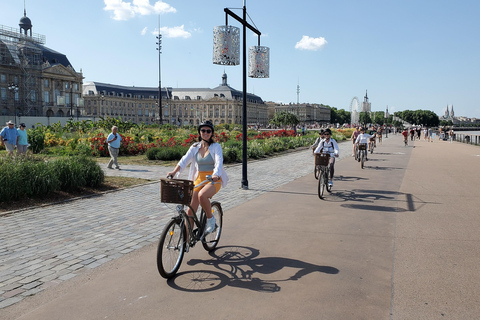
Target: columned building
[181,106]
[309,113]
[36,80]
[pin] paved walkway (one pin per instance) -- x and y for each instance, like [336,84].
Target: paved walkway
[45,246]
[397,240]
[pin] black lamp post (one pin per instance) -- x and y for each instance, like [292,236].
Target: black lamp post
[225,52]
[159,43]
[13,88]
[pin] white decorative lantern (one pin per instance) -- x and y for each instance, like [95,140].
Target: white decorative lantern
[226,45]
[259,62]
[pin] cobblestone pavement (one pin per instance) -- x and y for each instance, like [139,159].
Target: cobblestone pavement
[42,247]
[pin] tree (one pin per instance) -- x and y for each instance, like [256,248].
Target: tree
[284,118]
[364,118]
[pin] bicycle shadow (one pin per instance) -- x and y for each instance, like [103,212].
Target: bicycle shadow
[240,267]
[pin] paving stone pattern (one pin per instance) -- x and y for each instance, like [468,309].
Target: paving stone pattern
[41,247]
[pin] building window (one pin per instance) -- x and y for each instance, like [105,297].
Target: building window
[4,94]
[47,97]
[67,85]
[3,78]
[140,112]
[45,83]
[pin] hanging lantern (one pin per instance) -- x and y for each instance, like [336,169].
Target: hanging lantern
[259,62]
[226,45]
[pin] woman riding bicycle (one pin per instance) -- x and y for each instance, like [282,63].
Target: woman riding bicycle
[363,138]
[205,158]
[329,146]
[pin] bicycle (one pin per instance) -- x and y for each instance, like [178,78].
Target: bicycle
[173,243]
[321,166]
[371,145]
[362,154]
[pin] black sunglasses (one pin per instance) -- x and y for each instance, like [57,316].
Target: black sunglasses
[206,131]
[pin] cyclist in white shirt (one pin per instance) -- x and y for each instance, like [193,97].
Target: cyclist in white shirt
[363,138]
[330,146]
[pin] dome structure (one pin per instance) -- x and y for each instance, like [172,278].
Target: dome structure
[25,23]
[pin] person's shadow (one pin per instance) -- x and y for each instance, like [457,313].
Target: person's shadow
[240,267]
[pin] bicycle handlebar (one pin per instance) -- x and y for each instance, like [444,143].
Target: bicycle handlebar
[208,178]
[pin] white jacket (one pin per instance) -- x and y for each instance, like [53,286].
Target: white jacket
[330,147]
[363,138]
[191,158]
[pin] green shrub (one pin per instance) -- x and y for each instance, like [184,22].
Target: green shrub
[166,153]
[36,139]
[32,176]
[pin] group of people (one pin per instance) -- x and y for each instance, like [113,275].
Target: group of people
[12,138]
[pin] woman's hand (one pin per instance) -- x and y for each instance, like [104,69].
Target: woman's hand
[215,178]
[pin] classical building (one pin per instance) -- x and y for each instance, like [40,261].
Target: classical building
[306,112]
[36,80]
[181,106]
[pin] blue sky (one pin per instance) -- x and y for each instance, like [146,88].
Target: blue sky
[408,54]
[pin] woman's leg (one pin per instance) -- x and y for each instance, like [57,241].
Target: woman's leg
[332,167]
[204,197]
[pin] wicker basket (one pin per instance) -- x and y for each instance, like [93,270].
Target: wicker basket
[362,146]
[321,159]
[176,190]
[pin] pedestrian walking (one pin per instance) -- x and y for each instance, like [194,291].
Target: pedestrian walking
[9,137]
[114,139]
[23,139]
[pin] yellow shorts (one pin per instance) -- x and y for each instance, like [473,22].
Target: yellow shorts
[202,177]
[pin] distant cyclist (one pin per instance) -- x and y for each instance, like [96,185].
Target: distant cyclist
[405,136]
[329,146]
[363,138]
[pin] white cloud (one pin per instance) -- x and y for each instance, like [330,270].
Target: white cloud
[144,31]
[309,43]
[175,32]
[125,10]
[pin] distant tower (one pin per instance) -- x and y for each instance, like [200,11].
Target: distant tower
[452,114]
[224,79]
[447,113]
[366,106]
[25,23]
[298,92]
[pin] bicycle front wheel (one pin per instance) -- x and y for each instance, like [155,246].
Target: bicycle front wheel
[362,159]
[210,241]
[171,248]
[317,170]
[321,184]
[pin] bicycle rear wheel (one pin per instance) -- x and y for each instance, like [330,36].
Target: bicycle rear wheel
[210,241]
[171,248]
[321,184]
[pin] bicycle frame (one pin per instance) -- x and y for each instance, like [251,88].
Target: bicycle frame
[199,223]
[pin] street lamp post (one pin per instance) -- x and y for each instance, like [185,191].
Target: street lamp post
[226,52]
[13,88]
[159,43]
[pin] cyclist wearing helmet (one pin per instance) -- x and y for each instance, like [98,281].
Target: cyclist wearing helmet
[330,146]
[205,158]
[363,138]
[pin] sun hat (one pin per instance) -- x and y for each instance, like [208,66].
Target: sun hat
[10,122]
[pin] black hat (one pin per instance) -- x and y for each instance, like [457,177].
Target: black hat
[23,125]
[206,124]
